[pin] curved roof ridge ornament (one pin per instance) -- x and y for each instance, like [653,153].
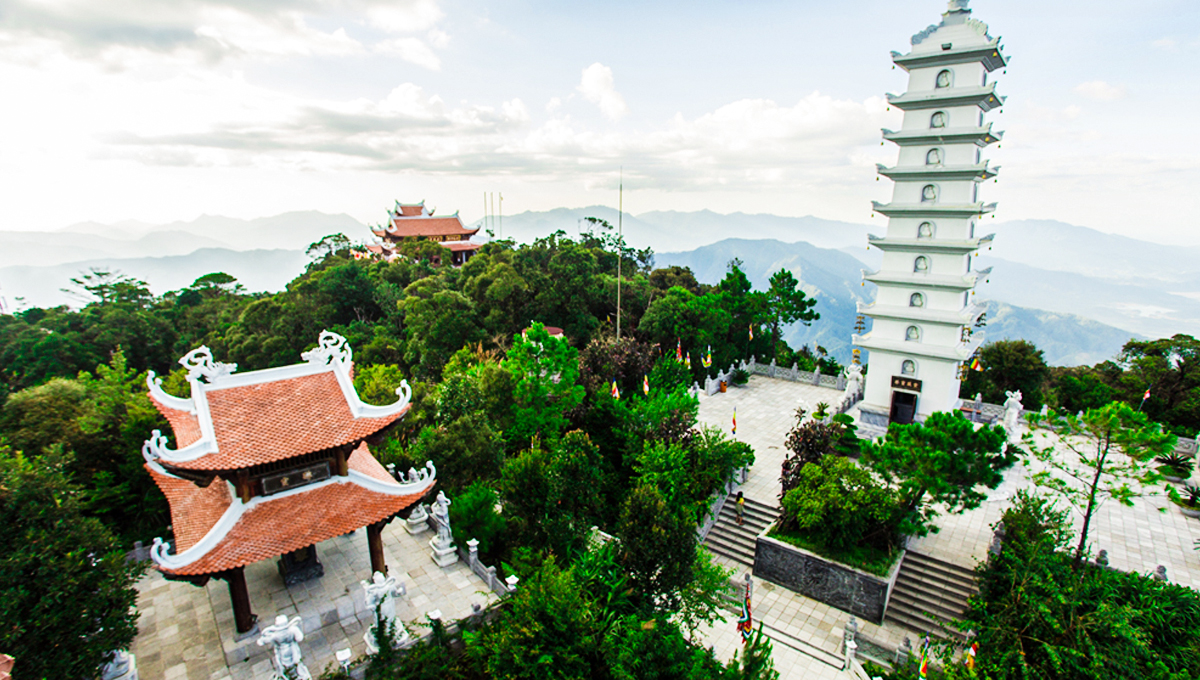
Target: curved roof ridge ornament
[171,401]
[155,448]
[330,347]
[199,362]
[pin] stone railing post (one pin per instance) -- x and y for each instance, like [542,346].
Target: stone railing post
[473,553]
[491,578]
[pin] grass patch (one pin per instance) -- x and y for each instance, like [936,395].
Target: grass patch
[870,559]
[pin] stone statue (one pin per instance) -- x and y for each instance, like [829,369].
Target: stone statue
[928,193]
[418,520]
[122,667]
[381,592]
[444,552]
[285,636]
[1012,410]
[853,382]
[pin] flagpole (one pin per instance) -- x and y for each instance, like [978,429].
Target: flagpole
[620,240]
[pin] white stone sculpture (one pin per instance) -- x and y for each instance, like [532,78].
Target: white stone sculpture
[122,667]
[854,379]
[417,522]
[382,592]
[444,552]
[285,636]
[1012,410]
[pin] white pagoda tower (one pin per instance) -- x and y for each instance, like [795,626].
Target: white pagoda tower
[923,312]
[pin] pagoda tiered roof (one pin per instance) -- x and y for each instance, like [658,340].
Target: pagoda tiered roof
[216,531]
[954,282]
[929,244]
[235,421]
[929,209]
[946,317]
[979,136]
[414,220]
[989,55]
[984,97]
[958,352]
[977,172]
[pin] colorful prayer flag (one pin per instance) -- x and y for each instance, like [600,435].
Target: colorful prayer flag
[678,350]
[707,359]
[646,385]
[1146,395]
[687,360]
[745,625]
[735,421]
[616,394]
[975,366]
[971,651]
[751,331]
[924,667]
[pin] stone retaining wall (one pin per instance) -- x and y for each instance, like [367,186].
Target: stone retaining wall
[811,575]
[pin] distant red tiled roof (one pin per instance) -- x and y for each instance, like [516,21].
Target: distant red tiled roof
[427,226]
[194,510]
[412,210]
[281,419]
[458,246]
[185,425]
[297,520]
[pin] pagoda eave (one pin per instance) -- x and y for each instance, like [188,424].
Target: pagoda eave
[989,55]
[955,283]
[983,97]
[886,244]
[977,173]
[932,209]
[981,136]
[957,353]
[957,317]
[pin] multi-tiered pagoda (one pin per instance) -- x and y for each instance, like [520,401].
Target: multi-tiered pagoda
[923,312]
[415,222]
[268,464]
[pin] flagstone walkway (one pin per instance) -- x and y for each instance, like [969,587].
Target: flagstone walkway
[187,633]
[1151,533]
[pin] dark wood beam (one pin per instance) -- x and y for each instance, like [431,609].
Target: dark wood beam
[375,544]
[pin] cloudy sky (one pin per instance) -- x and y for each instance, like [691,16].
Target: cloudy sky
[161,110]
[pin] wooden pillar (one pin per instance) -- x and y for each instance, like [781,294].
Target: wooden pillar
[375,543]
[243,618]
[341,463]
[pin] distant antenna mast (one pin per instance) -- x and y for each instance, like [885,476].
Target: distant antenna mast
[484,221]
[501,228]
[620,240]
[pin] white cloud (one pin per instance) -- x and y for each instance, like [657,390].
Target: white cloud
[597,87]
[412,50]
[1100,91]
[1167,44]
[553,105]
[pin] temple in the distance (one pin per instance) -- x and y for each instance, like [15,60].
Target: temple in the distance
[270,463]
[415,222]
[924,314]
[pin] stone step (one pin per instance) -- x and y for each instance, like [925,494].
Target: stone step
[734,552]
[919,623]
[923,583]
[755,514]
[734,535]
[806,648]
[944,609]
[946,570]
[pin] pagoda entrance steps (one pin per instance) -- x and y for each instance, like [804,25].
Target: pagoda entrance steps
[929,595]
[734,542]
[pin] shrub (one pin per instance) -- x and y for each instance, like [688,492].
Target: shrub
[739,377]
[473,515]
[841,506]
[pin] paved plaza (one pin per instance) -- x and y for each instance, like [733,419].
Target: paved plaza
[1137,539]
[187,633]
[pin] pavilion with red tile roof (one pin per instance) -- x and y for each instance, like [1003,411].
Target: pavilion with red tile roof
[415,222]
[268,464]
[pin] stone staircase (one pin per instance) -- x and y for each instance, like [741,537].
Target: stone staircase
[734,542]
[929,594]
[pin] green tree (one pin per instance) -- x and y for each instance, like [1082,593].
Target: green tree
[658,546]
[1170,369]
[69,594]
[473,515]
[1009,365]
[439,322]
[841,505]
[941,461]
[545,371]
[786,304]
[1106,454]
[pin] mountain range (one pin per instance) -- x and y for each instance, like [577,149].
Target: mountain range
[1077,293]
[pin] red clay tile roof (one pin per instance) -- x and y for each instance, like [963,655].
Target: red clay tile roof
[428,226]
[194,510]
[281,419]
[362,461]
[297,520]
[186,426]
[412,210]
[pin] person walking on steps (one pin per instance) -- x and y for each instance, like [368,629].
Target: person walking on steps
[740,508]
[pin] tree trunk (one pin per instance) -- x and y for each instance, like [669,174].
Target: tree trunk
[1091,506]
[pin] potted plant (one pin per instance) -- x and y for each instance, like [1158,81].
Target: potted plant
[1175,467]
[739,377]
[1188,501]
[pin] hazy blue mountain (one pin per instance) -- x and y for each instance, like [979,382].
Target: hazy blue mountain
[835,279]
[288,231]
[257,270]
